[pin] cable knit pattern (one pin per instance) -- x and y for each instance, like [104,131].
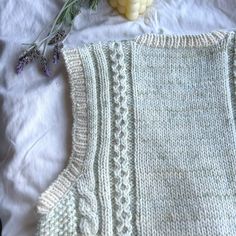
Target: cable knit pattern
[121,165]
[87,207]
[153,140]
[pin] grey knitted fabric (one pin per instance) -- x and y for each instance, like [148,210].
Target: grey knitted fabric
[154,140]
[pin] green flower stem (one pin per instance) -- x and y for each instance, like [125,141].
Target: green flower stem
[65,6]
[38,44]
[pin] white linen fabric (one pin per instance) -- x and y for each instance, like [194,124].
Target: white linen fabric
[35,111]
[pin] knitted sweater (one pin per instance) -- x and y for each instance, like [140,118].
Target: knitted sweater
[154,140]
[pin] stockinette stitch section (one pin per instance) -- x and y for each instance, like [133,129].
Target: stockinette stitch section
[153,140]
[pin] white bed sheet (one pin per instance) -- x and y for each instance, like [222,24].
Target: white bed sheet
[35,112]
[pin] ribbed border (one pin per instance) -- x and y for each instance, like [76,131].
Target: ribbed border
[233,91]
[176,41]
[234,61]
[68,176]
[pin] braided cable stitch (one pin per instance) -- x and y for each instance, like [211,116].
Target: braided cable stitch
[121,167]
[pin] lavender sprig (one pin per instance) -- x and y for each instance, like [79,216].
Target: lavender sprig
[57,34]
[26,58]
[57,53]
[44,65]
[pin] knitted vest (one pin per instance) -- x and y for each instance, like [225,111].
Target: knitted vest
[154,140]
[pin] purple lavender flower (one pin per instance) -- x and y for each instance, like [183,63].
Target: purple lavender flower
[20,66]
[45,67]
[57,52]
[27,58]
[58,37]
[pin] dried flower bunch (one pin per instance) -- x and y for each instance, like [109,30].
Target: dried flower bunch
[59,30]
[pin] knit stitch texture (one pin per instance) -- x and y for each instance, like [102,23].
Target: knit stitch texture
[154,140]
